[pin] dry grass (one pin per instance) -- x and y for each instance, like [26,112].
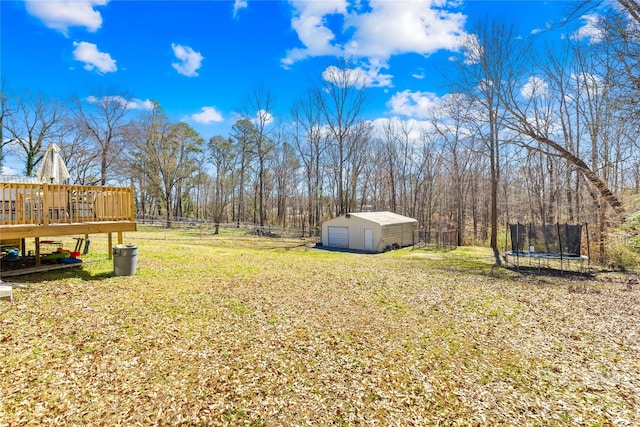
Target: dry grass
[246,331]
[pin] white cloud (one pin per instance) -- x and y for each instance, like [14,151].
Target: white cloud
[263,118]
[237,5]
[93,58]
[473,49]
[308,22]
[62,14]
[587,83]
[414,128]
[401,27]
[413,104]
[207,115]
[534,87]
[92,99]
[344,77]
[374,76]
[367,75]
[591,29]
[383,29]
[8,170]
[131,104]
[139,104]
[190,60]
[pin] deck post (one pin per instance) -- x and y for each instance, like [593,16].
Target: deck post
[132,205]
[119,237]
[37,243]
[110,245]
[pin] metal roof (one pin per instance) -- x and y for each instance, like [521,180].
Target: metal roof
[16,179]
[383,218]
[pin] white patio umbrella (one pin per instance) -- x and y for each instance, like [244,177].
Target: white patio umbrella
[52,169]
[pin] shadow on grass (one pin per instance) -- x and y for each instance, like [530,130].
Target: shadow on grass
[550,272]
[54,275]
[469,261]
[341,250]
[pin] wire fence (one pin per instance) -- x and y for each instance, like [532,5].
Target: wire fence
[242,228]
[437,240]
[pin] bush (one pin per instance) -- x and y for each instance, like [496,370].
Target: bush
[624,247]
[623,256]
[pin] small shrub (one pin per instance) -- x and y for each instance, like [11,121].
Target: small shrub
[622,255]
[624,249]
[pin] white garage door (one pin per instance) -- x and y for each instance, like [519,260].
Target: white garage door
[339,237]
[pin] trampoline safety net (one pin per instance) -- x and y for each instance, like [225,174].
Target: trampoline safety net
[557,239]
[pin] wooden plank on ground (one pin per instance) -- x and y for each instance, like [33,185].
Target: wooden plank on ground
[36,269]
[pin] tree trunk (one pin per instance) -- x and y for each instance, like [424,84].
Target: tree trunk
[592,177]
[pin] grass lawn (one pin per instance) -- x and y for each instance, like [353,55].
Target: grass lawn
[232,330]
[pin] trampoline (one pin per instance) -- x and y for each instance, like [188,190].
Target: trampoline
[561,242]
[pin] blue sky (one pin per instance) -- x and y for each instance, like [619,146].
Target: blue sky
[201,59]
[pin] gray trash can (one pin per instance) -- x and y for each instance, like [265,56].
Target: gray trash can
[124,260]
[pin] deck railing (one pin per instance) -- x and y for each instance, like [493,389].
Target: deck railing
[45,204]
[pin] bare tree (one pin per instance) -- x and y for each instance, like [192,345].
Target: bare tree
[5,113]
[405,131]
[259,106]
[390,156]
[103,117]
[244,135]
[341,99]
[524,118]
[285,167]
[200,188]
[450,122]
[221,151]
[357,157]
[166,155]
[78,153]
[424,180]
[520,120]
[488,51]
[310,142]
[35,121]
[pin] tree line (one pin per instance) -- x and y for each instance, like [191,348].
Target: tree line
[526,133]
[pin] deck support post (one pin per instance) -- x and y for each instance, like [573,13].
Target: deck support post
[110,245]
[37,243]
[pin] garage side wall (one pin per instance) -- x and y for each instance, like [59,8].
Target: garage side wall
[401,234]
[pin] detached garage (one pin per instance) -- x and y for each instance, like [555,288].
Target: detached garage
[369,231]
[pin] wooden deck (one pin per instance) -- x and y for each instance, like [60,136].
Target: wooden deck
[30,210]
